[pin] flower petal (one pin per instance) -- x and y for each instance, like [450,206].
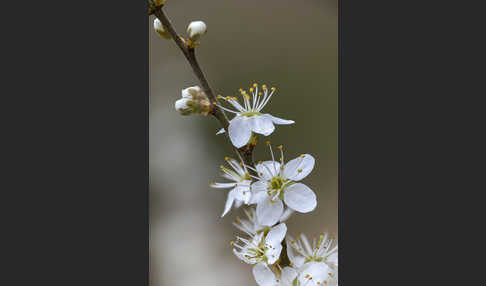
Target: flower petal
[221,131]
[222,185]
[288,275]
[242,193]
[268,213]
[294,257]
[333,259]
[318,271]
[239,132]
[286,214]
[261,125]
[279,121]
[276,235]
[258,192]
[263,275]
[268,169]
[298,168]
[273,253]
[300,198]
[229,203]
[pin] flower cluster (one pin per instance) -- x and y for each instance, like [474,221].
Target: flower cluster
[272,190]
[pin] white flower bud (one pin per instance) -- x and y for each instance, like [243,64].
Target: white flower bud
[193,101]
[196,29]
[159,28]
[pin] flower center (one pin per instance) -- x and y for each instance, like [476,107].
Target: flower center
[250,113]
[276,183]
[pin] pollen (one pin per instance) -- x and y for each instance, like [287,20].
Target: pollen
[273,89]
[268,142]
[219,96]
[214,102]
[325,282]
[280,147]
[232,243]
[247,96]
[261,174]
[226,158]
[299,170]
[259,162]
[307,276]
[302,156]
[241,163]
[255,85]
[251,89]
[241,90]
[235,99]
[260,93]
[264,87]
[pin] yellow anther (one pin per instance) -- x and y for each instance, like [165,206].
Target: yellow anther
[261,174]
[221,167]
[268,142]
[260,93]
[281,167]
[241,163]
[291,264]
[235,99]
[264,87]
[318,283]
[273,89]
[251,89]
[259,162]
[247,96]
[307,276]
[241,90]
[232,243]
[281,159]
[280,147]
[226,158]
[214,102]
[272,200]
[219,96]
[292,242]
[299,170]
[302,156]
[227,97]
[255,85]
[325,282]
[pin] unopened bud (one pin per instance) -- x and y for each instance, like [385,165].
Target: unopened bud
[159,28]
[193,101]
[196,29]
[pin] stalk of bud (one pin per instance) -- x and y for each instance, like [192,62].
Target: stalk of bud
[193,101]
[195,30]
[159,28]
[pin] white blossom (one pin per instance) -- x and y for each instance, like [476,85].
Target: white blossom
[240,186]
[301,251]
[193,101]
[248,117]
[196,29]
[159,28]
[262,247]
[278,183]
[266,277]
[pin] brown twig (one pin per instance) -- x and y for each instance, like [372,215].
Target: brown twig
[246,152]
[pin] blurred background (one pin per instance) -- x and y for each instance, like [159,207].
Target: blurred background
[291,45]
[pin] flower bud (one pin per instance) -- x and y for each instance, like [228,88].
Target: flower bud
[159,28]
[159,2]
[193,101]
[196,29]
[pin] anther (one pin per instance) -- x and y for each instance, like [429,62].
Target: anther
[251,89]
[268,142]
[219,96]
[299,170]
[226,158]
[302,156]
[232,243]
[255,85]
[273,89]
[214,102]
[241,163]
[259,162]
[280,147]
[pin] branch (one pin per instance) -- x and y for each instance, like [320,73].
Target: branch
[246,152]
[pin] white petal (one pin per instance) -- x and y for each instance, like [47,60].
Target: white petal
[229,203]
[222,185]
[303,164]
[268,213]
[261,125]
[276,235]
[239,132]
[288,275]
[294,257]
[221,131]
[286,214]
[319,271]
[263,275]
[258,192]
[273,253]
[238,204]
[279,121]
[242,193]
[333,259]
[268,169]
[300,198]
